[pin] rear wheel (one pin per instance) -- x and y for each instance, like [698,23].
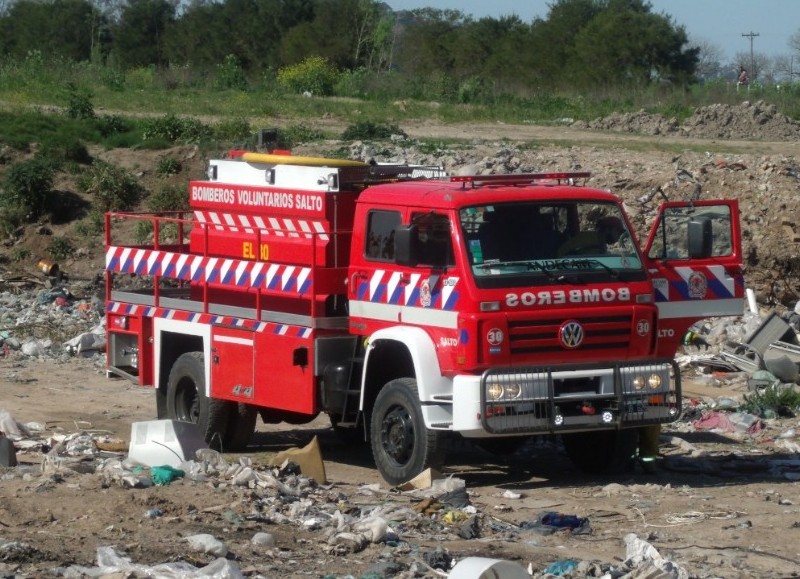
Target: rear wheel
[187,400]
[241,425]
[603,451]
[401,444]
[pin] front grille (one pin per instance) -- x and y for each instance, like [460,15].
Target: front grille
[541,335]
[536,400]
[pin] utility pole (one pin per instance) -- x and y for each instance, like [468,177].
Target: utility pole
[751,35]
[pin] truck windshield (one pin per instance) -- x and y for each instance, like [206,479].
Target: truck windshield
[546,242]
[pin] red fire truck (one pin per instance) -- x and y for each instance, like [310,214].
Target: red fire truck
[410,306]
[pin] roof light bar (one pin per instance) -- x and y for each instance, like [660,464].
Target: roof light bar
[520,178]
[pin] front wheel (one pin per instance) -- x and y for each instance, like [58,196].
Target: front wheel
[241,425]
[402,445]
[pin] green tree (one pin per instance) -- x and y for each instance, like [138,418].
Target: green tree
[428,41]
[63,28]
[139,36]
[627,45]
[198,38]
[552,41]
[340,32]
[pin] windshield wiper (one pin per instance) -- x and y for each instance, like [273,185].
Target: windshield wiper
[548,272]
[527,263]
[613,272]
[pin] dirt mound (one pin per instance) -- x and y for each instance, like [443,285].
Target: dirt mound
[748,120]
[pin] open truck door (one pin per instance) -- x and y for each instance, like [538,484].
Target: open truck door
[694,254]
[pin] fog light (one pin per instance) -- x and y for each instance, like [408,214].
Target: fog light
[654,381]
[607,417]
[673,411]
[558,420]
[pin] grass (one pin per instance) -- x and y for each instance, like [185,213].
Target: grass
[772,401]
[33,83]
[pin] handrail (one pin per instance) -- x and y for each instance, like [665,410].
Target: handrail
[161,263]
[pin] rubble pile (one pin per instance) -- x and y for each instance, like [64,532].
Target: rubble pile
[51,323]
[748,120]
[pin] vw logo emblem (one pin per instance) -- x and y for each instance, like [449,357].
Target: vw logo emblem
[571,334]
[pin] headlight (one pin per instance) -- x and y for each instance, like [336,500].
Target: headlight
[513,390]
[494,391]
[638,382]
[654,381]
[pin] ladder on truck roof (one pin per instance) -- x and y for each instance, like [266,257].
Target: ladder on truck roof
[331,177]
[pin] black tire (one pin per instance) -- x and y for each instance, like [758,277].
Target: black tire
[603,451]
[401,444]
[187,401]
[241,425]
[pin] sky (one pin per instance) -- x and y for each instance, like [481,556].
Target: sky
[718,22]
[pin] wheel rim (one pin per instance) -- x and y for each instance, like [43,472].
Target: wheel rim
[397,435]
[187,402]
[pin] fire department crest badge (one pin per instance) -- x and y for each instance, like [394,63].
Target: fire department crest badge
[425,294]
[698,285]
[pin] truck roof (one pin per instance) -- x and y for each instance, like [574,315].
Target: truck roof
[442,194]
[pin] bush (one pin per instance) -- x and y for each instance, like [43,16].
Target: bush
[369,130]
[79,103]
[113,188]
[232,130]
[176,130]
[108,125]
[141,78]
[19,254]
[27,188]
[169,198]
[90,226]
[772,401]
[60,248]
[67,150]
[295,134]
[168,166]
[230,74]
[314,75]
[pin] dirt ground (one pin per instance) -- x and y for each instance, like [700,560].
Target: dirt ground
[722,504]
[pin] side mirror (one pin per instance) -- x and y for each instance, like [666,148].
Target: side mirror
[406,251]
[699,238]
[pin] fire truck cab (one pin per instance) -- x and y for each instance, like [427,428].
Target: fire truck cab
[411,306]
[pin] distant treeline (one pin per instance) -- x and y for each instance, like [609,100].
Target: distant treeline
[581,44]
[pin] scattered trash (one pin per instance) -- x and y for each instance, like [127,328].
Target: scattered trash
[8,453]
[163,475]
[308,458]
[560,568]
[164,442]
[109,563]
[549,522]
[640,555]
[485,568]
[206,543]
